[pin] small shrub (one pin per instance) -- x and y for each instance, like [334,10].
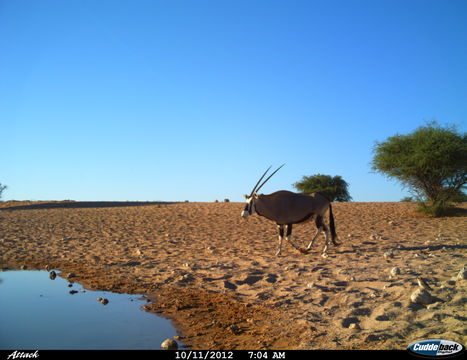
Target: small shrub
[435,208]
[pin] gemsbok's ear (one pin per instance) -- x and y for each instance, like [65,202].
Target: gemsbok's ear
[246,196]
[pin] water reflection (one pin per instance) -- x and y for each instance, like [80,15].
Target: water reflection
[38,313]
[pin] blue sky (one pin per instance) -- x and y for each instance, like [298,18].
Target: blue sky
[193,100]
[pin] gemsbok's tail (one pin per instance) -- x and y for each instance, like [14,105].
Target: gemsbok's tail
[332,226]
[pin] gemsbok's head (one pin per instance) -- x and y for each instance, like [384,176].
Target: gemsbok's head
[250,199]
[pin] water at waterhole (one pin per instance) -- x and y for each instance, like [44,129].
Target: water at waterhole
[43,314]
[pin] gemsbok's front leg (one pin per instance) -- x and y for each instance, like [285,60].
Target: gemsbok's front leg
[281,236]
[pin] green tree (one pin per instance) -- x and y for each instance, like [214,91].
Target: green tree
[431,162]
[334,187]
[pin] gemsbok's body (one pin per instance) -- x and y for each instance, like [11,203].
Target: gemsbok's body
[287,208]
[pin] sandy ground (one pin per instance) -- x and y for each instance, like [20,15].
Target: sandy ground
[216,274]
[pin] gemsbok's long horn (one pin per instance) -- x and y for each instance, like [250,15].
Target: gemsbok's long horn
[265,181]
[261,178]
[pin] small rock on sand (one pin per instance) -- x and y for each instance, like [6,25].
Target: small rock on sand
[235,329]
[462,275]
[395,271]
[169,344]
[421,297]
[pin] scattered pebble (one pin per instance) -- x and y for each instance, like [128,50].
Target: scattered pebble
[210,248]
[395,271]
[235,329]
[103,301]
[462,275]
[421,297]
[169,344]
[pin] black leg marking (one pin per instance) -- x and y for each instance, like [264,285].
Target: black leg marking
[281,231]
[319,221]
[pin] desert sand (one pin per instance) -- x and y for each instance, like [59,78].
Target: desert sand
[217,277]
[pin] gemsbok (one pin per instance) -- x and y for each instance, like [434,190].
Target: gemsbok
[287,208]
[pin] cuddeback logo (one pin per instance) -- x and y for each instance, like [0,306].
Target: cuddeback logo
[435,347]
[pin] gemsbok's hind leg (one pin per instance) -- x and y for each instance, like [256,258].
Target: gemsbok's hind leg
[319,226]
[335,242]
[312,242]
[326,241]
